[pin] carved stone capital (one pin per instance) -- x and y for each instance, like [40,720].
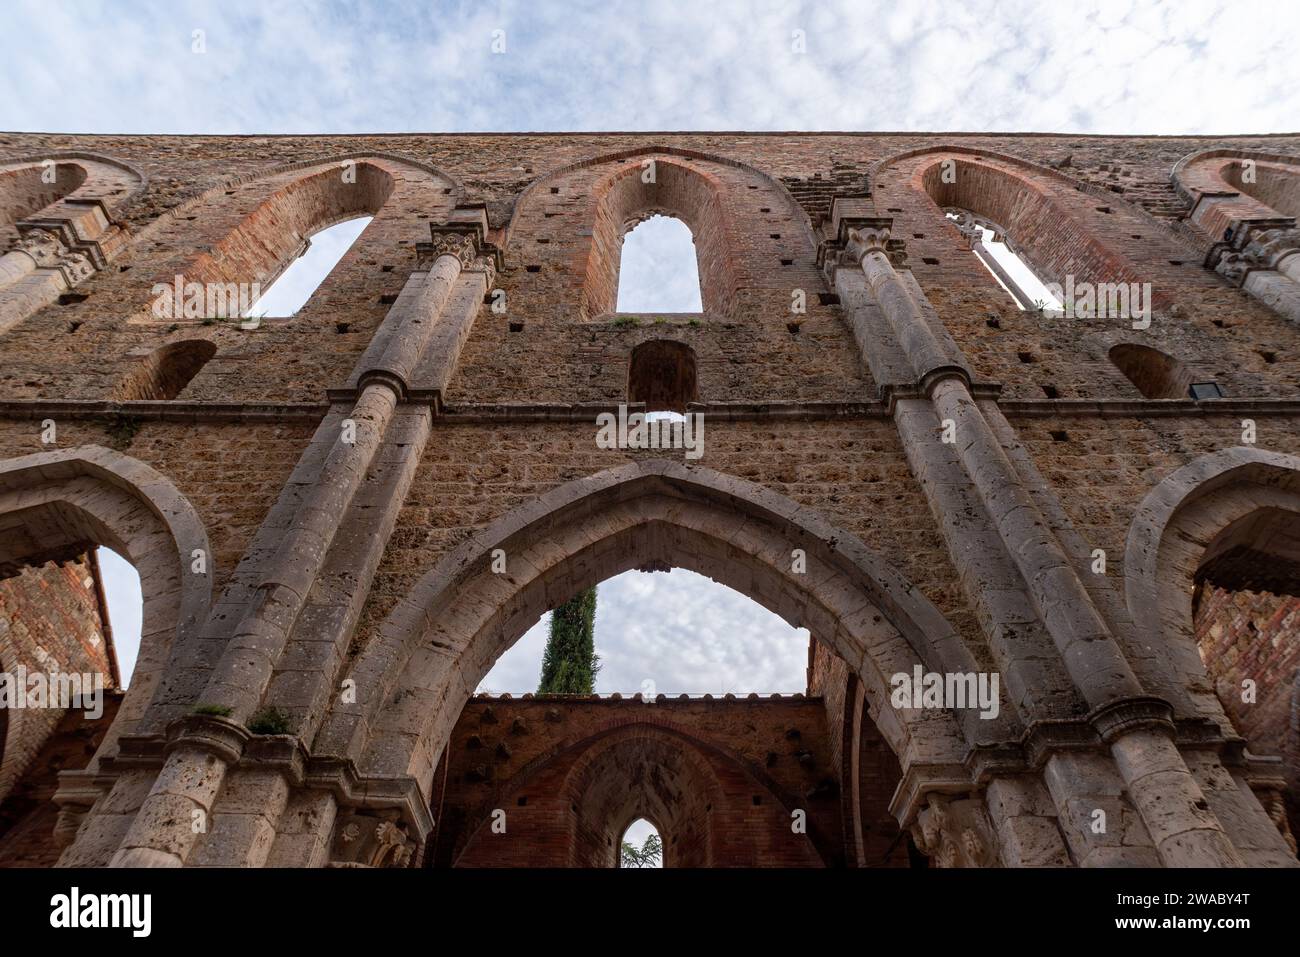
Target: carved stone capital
[864,240]
[43,246]
[1139,712]
[1270,246]
[371,838]
[1259,249]
[458,244]
[488,266]
[1234,267]
[75,267]
[955,832]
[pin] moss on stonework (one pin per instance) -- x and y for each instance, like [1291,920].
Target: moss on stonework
[215,710]
[121,431]
[269,721]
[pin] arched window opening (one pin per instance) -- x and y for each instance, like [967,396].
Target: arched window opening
[124,609]
[292,289]
[1246,614]
[675,633]
[641,846]
[1276,185]
[662,375]
[165,372]
[660,241]
[26,190]
[659,268]
[1005,263]
[1155,374]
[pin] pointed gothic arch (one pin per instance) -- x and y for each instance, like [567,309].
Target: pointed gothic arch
[1179,527]
[54,503]
[433,649]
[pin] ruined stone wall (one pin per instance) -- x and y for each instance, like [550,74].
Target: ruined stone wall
[838,408]
[52,620]
[1252,635]
[863,764]
[769,756]
[30,834]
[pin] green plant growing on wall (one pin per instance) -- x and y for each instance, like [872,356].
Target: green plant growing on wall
[269,721]
[215,710]
[122,430]
[570,664]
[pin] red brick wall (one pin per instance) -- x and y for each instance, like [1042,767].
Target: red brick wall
[864,764]
[1253,635]
[50,620]
[28,813]
[730,771]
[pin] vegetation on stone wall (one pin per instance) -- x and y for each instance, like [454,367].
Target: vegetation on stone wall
[569,664]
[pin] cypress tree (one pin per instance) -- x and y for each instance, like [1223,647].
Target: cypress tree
[569,664]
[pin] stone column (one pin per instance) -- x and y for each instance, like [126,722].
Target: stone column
[1138,730]
[38,248]
[199,756]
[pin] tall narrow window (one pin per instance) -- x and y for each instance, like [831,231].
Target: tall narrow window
[659,271]
[641,846]
[294,287]
[1006,265]
[125,601]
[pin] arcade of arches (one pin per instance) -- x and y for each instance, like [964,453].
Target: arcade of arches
[341,518]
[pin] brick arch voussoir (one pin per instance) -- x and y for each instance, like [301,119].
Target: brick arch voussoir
[106,498]
[1042,183]
[638,153]
[296,201]
[447,630]
[1202,172]
[1033,175]
[1166,542]
[102,172]
[392,162]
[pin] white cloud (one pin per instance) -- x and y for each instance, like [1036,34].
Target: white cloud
[680,630]
[1192,67]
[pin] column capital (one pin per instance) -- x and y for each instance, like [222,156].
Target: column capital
[1255,247]
[857,237]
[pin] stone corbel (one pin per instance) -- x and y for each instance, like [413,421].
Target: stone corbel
[966,225]
[955,832]
[857,236]
[1253,247]
[371,838]
[43,246]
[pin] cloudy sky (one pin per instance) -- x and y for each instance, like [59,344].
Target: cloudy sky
[1192,66]
[403,66]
